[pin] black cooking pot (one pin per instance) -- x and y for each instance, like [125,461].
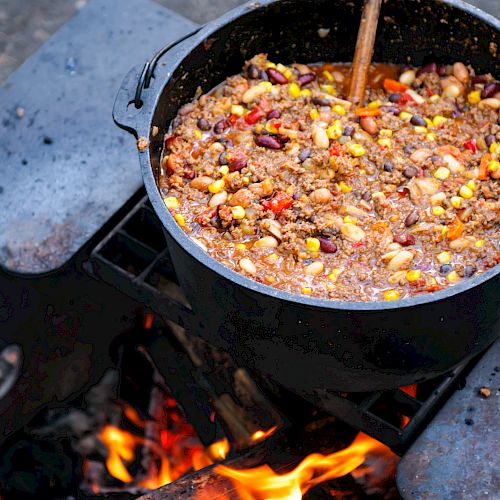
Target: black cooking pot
[306,344]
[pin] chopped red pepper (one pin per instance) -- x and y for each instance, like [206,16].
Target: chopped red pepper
[367,112]
[336,150]
[279,202]
[471,145]
[233,119]
[456,228]
[404,98]
[394,86]
[255,115]
[169,141]
[429,91]
[483,167]
[357,244]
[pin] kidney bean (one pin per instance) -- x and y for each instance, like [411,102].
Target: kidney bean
[410,171]
[489,139]
[368,124]
[321,101]
[304,154]
[418,121]
[490,89]
[441,69]
[220,126]
[237,164]
[188,172]
[253,72]
[305,79]
[404,239]
[267,141]
[327,246]
[274,113]
[277,76]
[283,139]
[203,124]
[411,219]
[388,166]
[427,68]
[348,131]
[479,79]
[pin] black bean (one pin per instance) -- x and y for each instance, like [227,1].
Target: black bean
[263,75]
[411,219]
[203,124]
[479,79]
[395,97]
[304,154]
[267,141]
[277,76]
[489,139]
[445,269]
[388,166]
[274,113]
[327,246]
[418,121]
[367,196]
[223,158]
[348,131]
[490,89]
[410,171]
[434,158]
[220,126]
[390,109]
[321,101]
[469,271]
[305,79]
[407,149]
[253,72]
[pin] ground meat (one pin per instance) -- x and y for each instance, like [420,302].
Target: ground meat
[402,202]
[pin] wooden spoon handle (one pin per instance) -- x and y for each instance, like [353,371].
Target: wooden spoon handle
[364,50]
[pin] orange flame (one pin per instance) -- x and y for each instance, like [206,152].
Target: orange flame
[121,445]
[213,453]
[260,434]
[263,483]
[411,390]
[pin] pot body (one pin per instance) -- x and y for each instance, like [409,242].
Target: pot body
[305,344]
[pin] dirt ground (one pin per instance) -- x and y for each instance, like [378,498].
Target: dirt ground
[26,24]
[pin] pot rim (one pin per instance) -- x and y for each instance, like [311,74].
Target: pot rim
[210,262]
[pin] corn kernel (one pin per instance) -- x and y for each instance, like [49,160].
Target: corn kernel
[241,247]
[259,127]
[386,143]
[438,210]
[281,67]
[385,132]
[288,73]
[198,134]
[479,243]
[328,76]
[269,64]
[328,88]
[305,93]
[420,130]
[237,109]
[271,128]
[349,219]
[238,212]
[391,295]
[272,257]
[334,131]
[493,165]
[356,149]
[493,147]
[268,86]
[180,219]
[334,274]
[466,192]
[456,201]
[338,109]
[313,244]
[405,116]
[306,290]
[217,186]
[413,275]
[431,136]
[375,104]
[171,202]
[294,90]
[246,180]
[442,173]
[434,98]
[474,97]
[314,114]
[344,187]
[429,122]
[471,184]
[452,277]
[438,120]
[443,257]
[394,218]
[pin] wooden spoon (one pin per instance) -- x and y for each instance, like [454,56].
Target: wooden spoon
[364,50]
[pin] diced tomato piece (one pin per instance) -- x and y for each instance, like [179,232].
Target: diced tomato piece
[336,150]
[279,202]
[450,150]
[471,145]
[483,167]
[394,86]
[357,244]
[367,112]
[255,115]
[455,229]
[404,98]
[265,105]
[233,119]
[169,141]
[429,91]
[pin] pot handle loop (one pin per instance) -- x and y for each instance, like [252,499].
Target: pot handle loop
[130,100]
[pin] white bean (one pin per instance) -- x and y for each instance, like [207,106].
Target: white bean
[315,268]
[407,77]
[491,102]
[320,138]
[218,199]
[401,259]
[352,232]
[266,242]
[247,265]
[460,71]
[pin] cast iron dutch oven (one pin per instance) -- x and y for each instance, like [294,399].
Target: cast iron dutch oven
[310,345]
